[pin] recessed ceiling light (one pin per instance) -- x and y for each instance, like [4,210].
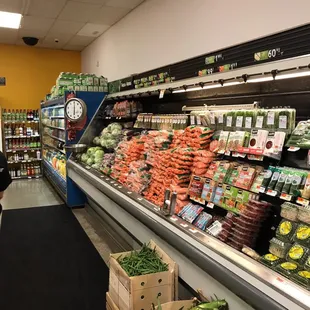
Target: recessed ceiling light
[10,20]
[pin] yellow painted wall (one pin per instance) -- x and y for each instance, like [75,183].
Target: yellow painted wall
[31,72]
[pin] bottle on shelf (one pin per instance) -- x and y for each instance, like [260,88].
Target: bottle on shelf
[8,115]
[4,114]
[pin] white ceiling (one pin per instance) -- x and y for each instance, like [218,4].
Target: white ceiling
[74,23]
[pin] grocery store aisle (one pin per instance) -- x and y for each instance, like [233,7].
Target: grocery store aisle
[30,193]
[48,262]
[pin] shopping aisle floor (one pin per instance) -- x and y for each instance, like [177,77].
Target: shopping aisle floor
[46,259]
[30,193]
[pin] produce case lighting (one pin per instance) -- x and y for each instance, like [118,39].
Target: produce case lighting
[292,74]
[10,20]
[216,85]
[262,78]
[178,91]
[232,83]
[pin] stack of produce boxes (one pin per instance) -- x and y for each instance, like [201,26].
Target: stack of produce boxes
[290,249]
[139,278]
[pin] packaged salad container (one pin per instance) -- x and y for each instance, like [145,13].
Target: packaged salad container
[302,234]
[304,214]
[307,263]
[287,269]
[303,278]
[289,211]
[261,119]
[297,254]
[270,260]
[286,230]
[278,247]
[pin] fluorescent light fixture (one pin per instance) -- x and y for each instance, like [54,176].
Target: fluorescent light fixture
[10,20]
[216,85]
[292,74]
[178,91]
[262,78]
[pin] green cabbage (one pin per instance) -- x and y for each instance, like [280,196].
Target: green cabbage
[84,157]
[96,141]
[99,154]
[110,144]
[91,151]
[115,126]
[96,166]
[104,131]
[89,161]
[116,132]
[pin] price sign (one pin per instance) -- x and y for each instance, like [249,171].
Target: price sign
[293,149]
[161,93]
[268,54]
[272,193]
[302,201]
[183,225]
[210,205]
[286,197]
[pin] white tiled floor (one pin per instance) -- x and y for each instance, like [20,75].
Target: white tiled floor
[30,193]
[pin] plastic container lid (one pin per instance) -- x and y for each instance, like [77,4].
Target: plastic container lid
[244,234]
[238,246]
[252,213]
[270,260]
[289,211]
[243,222]
[297,254]
[287,268]
[259,204]
[303,278]
[278,247]
[250,220]
[241,240]
[286,230]
[246,230]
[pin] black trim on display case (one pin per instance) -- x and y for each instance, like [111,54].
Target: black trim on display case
[239,286]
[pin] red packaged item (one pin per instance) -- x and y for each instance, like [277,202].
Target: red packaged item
[227,225]
[238,246]
[242,241]
[224,234]
[246,226]
[248,236]
[196,186]
[256,210]
[250,220]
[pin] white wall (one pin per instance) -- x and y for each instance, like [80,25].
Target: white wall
[160,32]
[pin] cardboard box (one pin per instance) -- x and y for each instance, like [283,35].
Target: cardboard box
[177,305]
[131,293]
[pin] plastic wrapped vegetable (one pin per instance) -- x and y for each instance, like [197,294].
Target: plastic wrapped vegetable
[114,126]
[84,157]
[96,141]
[99,153]
[91,151]
[89,161]
[96,166]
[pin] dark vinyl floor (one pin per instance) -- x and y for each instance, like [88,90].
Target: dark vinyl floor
[48,262]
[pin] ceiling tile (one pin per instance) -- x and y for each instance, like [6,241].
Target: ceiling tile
[69,47]
[46,8]
[130,4]
[8,36]
[35,22]
[14,6]
[65,27]
[79,11]
[37,33]
[81,40]
[93,30]
[49,41]
[108,15]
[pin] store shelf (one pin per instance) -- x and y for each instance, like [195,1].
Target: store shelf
[53,102]
[256,284]
[22,150]
[54,137]
[24,161]
[55,148]
[27,177]
[53,127]
[20,122]
[56,179]
[22,137]
[56,117]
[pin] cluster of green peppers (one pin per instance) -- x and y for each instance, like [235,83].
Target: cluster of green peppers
[215,305]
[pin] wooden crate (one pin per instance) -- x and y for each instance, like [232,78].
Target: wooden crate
[136,293]
[110,305]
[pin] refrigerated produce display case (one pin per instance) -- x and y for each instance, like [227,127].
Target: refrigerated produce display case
[216,170]
[57,132]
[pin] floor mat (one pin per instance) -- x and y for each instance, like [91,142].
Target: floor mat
[48,262]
